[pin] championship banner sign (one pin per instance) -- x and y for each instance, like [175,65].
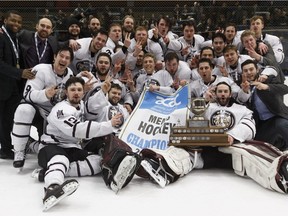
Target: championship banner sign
[150,123]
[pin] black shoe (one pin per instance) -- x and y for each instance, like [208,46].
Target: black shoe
[55,193]
[7,154]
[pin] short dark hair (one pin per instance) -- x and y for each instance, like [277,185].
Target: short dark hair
[100,31]
[189,23]
[116,86]
[66,48]
[219,34]
[106,55]
[249,61]
[8,13]
[73,80]
[207,48]
[170,56]
[223,83]
[201,60]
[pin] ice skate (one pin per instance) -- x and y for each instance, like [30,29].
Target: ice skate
[55,193]
[39,174]
[155,171]
[125,169]
[19,159]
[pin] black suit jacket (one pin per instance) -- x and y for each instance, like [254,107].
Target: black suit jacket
[27,39]
[10,76]
[274,97]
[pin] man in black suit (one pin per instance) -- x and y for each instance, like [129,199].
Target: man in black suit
[40,46]
[266,101]
[11,78]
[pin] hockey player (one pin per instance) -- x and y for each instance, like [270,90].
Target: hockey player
[229,65]
[142,42]
[251,47]
[204,87]
[166,166]
[176,73]
[104,68]
[260,161]
[61,144]
[102,106]
[39,96]
[86,56]
[262,39]
[190,43]
[144,79]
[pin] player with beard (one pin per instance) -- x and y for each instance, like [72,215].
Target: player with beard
[86,56]
[61,146]
[103,68]
[237,121]
[128,26]
[39,96]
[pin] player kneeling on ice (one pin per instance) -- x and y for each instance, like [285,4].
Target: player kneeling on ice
[60,146]
[258,160]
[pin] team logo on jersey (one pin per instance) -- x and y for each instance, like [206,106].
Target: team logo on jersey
[60,114]
[60,94]
[223,118]
[112,111]
[84,65]
[153,82]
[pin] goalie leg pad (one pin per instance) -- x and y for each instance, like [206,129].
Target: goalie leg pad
[177,159]
[260,161]
[165,166]
[119,163]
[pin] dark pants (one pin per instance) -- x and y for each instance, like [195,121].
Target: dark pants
[7,110]
[48,152]
[273,131]
[214,159]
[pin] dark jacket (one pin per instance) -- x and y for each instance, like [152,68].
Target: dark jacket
[10,76]
[27,39]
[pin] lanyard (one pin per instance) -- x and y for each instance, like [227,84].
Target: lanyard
[37,49]
[15,47]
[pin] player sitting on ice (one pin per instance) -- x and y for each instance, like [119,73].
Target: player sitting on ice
[260,161]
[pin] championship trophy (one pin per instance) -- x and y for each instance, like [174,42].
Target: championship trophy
[197,131]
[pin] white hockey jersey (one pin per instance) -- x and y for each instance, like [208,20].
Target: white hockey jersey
[84,60]
[198,88]
[181,43]
[236,119]
[66,127]
[98,108]
[34,91]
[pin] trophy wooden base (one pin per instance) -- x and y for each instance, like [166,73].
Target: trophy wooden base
[198,136]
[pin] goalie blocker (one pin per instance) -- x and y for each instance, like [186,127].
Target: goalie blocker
[262,162]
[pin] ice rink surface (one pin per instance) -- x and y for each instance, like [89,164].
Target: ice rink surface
[201,192]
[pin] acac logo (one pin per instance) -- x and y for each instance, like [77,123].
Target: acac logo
[167,102]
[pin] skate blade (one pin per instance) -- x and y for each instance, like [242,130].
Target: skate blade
[128,168]
[68,190]
[152,172]
[35,173]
